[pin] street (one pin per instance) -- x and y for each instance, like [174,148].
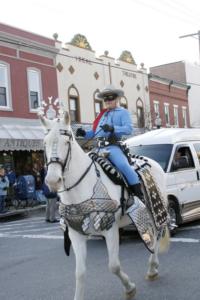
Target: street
[33,265]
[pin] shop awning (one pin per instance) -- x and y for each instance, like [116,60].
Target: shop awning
[21,137]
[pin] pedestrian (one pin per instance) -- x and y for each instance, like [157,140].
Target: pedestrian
[110,125]
[158,121]
[4,184]
[10,173]
[51,203]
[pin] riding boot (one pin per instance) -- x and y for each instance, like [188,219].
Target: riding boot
[136,190]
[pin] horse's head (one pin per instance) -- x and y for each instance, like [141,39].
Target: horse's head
[57,147]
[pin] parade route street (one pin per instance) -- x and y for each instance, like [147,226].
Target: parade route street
[33,265]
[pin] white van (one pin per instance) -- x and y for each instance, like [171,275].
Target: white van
[177,150]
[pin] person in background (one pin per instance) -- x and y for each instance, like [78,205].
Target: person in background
[158,121]
[10,173]
[4,184]
[51,202]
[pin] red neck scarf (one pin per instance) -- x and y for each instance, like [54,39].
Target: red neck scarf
[96,121]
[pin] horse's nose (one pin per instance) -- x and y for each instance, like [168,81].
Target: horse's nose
[53,181]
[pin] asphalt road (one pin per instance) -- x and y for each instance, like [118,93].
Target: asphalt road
[33,265]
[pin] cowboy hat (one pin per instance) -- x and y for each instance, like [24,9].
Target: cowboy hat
[110,90]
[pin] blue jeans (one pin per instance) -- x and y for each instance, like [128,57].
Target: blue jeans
[118,158]
[2,203]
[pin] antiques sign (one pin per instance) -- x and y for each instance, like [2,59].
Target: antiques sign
[14,144]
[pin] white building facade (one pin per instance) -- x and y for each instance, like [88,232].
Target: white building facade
[81,75]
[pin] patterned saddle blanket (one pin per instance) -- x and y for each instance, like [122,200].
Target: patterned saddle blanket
[155,200]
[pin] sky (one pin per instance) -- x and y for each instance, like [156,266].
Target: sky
[149,29]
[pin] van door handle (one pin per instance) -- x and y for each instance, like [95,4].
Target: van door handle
[198,175]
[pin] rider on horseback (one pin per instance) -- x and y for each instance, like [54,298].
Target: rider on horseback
[110,125]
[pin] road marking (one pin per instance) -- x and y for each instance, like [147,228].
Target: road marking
[32,236]
[184,240]
[35,229]
[189,228]
[23,220]
[56,237]
[30,223]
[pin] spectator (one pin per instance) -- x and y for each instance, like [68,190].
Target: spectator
[10,173]
[4,184]
[51,206]
[158,121]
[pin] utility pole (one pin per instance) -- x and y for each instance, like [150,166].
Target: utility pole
[193,35]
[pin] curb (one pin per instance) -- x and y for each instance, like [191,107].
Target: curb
[22,211]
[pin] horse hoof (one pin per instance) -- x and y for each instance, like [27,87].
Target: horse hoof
[152,277]
[130,295]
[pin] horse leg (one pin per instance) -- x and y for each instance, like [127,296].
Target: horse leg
[161,245]
[152,272]
[80,251]
[112,241]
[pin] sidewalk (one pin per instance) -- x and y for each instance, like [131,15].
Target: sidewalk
[21,211]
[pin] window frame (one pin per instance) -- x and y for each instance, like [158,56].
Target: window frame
[39,91]
[176,115]
[140,106]
[184,116]
[77,99]
[166,112]
[7,87]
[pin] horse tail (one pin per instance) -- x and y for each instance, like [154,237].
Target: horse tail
[165,240]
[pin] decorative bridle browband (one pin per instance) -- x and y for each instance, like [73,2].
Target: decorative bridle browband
[54,156]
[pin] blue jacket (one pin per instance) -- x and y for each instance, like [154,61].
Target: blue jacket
[119,118]
[4,184]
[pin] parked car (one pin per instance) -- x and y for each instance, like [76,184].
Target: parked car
[178,152]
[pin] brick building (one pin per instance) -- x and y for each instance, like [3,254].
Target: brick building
[27,75]
[169,101]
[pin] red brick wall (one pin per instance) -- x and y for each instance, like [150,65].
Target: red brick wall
[173,95]
[25,34]
[19,82]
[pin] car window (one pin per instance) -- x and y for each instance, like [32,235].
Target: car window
[182,159]
[158,152]
[197,149]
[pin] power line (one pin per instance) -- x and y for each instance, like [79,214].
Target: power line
[185,19]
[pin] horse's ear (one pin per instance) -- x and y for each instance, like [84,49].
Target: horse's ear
[67,117]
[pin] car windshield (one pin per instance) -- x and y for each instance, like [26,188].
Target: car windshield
[160,153]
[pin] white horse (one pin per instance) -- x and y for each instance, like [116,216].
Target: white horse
[71,171]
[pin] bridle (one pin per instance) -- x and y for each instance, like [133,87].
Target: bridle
[54,156]
[55,159]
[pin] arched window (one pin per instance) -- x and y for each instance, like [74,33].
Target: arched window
[74,107]
[98,104]
[124,102]
[140,113]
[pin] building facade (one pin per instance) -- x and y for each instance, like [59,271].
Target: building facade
[27,75]
[169,102]
[187,73]
[81,75]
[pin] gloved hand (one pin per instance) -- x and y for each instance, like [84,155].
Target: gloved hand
[107,128]
[80,132]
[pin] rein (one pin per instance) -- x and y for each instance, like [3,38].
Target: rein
[56,159]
